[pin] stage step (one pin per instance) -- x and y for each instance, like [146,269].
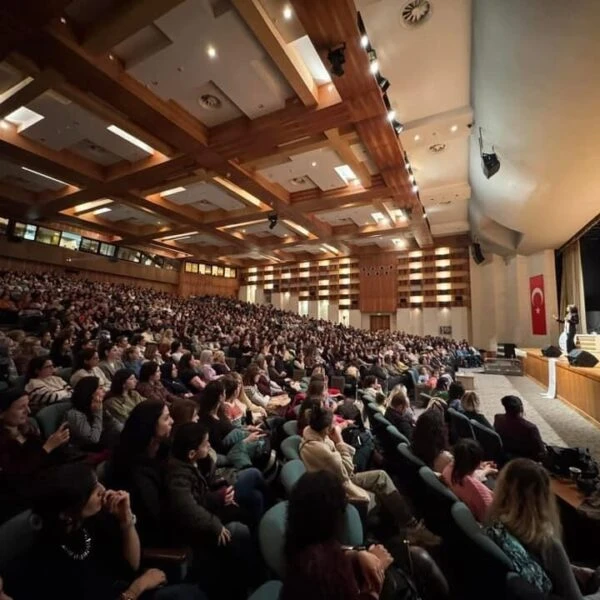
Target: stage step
[503,366]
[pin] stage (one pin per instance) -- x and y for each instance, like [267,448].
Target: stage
[577,386]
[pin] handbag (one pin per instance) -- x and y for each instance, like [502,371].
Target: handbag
[559,460]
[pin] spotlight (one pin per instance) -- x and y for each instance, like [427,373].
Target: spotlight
[391,116]
[273,220]
[364,40]
[415,188]
[398,127]
[374,63]
[337,58]
[490,163]
[383,83]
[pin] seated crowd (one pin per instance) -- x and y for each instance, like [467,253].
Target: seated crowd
[134,423]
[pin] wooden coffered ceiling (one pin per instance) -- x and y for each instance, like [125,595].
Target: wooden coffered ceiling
[258,128]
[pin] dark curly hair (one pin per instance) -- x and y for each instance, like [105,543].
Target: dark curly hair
[429,437]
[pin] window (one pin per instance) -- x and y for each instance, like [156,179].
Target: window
[88,245]
[188,267]
[227,272]
[70,240]
[233,273]
[214,270]
[25,231]
[219,271]
[3,225]
[194,267]
[129,254]
[48,236]
[107,249]
[202,269]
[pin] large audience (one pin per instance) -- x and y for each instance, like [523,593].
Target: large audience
[145,437]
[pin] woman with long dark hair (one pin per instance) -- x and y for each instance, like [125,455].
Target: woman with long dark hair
[122,397]
[86,418]
[318,567]
[430,440]
[89,547]
[86,365]
[150,386]
[137,463]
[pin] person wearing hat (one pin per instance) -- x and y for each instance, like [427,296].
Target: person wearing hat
[88,546]
[23,452]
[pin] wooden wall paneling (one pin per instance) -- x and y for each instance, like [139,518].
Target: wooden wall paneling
[193,284]
[38,258]
[378,283]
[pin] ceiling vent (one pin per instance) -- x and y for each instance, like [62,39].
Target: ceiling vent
[300,181]
[437,148]
[416,12]
[209,102]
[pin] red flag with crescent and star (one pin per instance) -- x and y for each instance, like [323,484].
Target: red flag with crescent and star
[538,305]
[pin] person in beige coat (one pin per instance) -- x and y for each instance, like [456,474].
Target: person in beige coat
[323,449]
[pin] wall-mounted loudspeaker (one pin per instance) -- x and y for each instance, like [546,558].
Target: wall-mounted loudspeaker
[477,253]
[581,358]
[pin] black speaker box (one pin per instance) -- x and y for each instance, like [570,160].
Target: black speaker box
[477,254]
[551,351]
[581,358]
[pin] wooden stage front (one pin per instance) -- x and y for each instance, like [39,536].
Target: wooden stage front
[577,386]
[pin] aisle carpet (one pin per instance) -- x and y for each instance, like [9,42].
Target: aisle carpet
[558,423]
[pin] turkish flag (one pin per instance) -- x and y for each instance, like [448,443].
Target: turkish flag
[538,305]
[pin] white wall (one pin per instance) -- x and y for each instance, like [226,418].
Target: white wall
[500,300]
[427,321]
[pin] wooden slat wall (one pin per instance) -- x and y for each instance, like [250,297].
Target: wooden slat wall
[193,284]
[378,283]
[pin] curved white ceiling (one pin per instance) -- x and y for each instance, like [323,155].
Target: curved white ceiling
[536,93]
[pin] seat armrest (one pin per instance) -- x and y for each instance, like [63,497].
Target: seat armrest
[168,555]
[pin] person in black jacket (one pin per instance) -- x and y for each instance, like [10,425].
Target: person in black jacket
[470,407]
[399,415]
[206,514]
[137,467]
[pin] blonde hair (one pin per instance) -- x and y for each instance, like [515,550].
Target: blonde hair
[206,357]
[219,356]
[243,398]
[470,401]
[525,504]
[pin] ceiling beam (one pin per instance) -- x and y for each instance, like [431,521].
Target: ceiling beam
[16,194]
[348,157]
[125,19]
[284,55]
[62,165]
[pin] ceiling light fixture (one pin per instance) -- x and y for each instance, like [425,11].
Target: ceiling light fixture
[244,224]
[391,115]
[454,128]
[237,190]
[383,83]
[331,249]
[415,188]
[313,164]
[88,206]
[130,138]
[100,211]
[63,20]
[337,58]
[297,227]
[44,175]
[211,51]
[364,40]
[287,12]
[374,67]
[346,173]
[178,236]
[172,191]
[417,137]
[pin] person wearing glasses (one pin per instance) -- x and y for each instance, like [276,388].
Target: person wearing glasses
[43,386]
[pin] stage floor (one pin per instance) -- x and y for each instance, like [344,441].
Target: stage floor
[577,386]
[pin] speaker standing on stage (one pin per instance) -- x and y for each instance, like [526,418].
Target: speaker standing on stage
[571,321]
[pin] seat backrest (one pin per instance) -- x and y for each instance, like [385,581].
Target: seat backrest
[271,535]
[291,427]
[268,591]
[409,458]
[461,425]
[379,422]
[50,417]
[394,437]
[481,544]
[490,442]
[338,382]
[290,473]
[290,447]
[17,537]
[65,374]
[298,374]
[437,501]
[435,486]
